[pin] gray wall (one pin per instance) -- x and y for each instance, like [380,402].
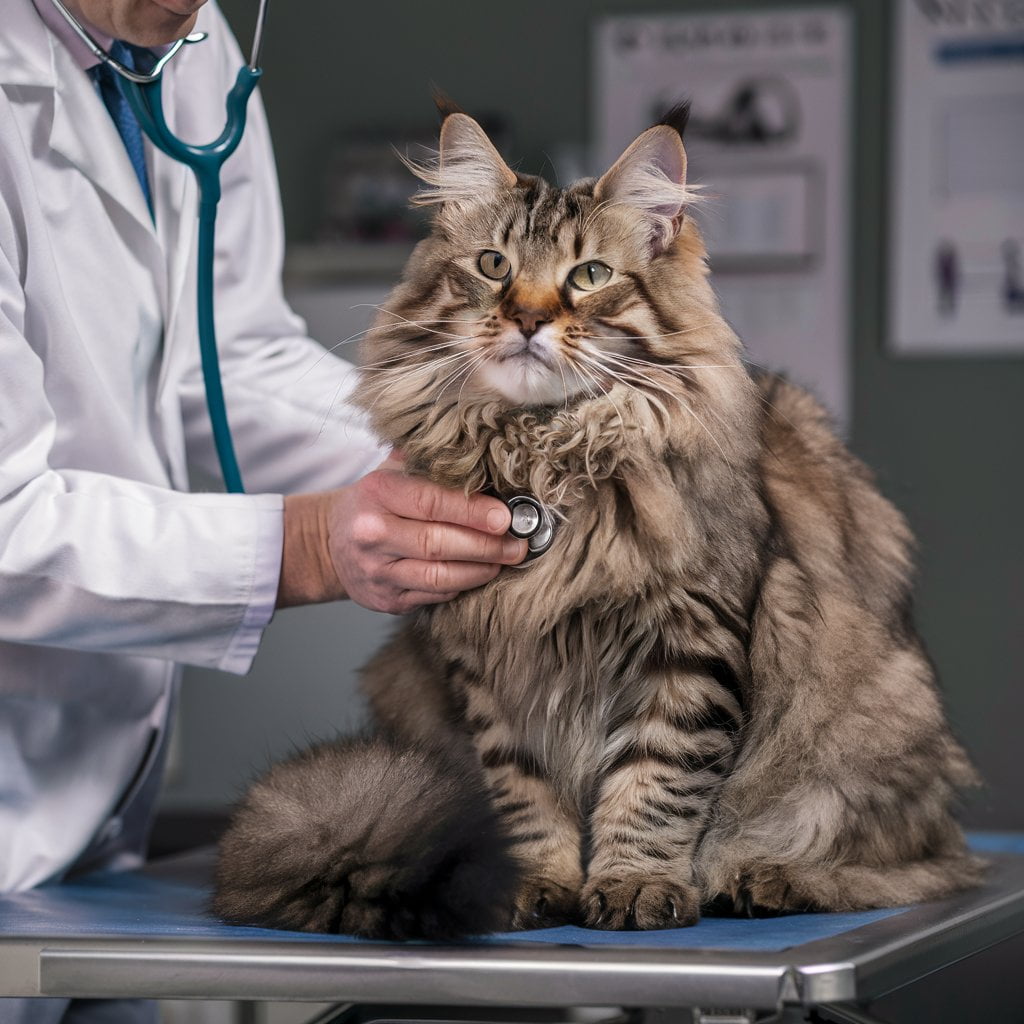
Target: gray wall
[943,435]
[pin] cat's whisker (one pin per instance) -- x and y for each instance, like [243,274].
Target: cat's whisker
[601,389]
[628,335]
[402,366]
[674,366]
[608,390]
[644,374]
[707,430]
[565,386]
[645,384]
[399,316]
[673,370]
[389,332]
[403,357]
[468,357]
[448,379]
[623,361]
[469,373]
[628,365]
[474,361]
[401,374]
[413,323]
[430,367]
[418,327]
[362,334]
[327,412]
[399,371]
[381,328]
[328,350]
[601,364]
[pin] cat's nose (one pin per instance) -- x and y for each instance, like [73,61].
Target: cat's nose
[531,320]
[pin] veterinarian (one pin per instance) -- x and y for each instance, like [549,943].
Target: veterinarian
[111,573]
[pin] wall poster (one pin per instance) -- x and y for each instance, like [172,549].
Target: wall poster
[768,140]
[957,178]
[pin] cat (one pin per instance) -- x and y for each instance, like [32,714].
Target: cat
[708,692]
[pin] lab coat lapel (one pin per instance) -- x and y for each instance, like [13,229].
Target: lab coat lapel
[84,134]
[80,128]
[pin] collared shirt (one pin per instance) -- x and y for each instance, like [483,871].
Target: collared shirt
[82,55]
[57,24]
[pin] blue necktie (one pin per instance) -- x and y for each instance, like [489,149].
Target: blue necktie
[108,82]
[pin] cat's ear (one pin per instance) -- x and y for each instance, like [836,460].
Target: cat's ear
[468,168]
[651,178]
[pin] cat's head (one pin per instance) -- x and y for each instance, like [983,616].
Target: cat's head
[527,296]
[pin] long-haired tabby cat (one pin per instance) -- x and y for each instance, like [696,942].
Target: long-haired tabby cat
[709,690]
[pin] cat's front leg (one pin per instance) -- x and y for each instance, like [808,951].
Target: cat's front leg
[663,765]
[546,833]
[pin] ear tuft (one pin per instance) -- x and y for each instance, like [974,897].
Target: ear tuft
[651,177]
[677,116]
[444,103]
[467,169]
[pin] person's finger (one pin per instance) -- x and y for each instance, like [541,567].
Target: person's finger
[415,498]
[410,600]
[443,542]
[439,577]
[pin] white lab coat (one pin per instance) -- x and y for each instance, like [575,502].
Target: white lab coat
[110,572]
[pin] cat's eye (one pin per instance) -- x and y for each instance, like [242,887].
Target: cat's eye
[588,276]
[493,265]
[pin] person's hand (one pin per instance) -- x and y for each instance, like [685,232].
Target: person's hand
[392,543]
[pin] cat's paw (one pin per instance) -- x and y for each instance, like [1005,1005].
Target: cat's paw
[769,889]
[543,903]
[639,902]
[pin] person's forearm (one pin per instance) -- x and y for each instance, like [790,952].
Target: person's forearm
[307,573]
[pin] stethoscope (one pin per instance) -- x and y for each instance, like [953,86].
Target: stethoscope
[142,89]
[532,522]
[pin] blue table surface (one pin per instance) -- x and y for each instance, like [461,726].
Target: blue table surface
[140,905]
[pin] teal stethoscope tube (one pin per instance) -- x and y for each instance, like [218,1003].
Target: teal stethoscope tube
[142,90]
[206,162]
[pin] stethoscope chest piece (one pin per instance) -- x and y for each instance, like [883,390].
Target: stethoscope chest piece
[531,522]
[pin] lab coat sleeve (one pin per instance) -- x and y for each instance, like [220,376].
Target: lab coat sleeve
[94,562]
[287,397]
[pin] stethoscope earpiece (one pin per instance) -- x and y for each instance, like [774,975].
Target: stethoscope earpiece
[531,522]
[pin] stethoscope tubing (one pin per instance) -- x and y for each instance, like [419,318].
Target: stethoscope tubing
[143,91]
[205,162]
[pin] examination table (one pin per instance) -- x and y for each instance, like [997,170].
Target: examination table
[146,934]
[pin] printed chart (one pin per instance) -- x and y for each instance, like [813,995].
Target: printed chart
[768,142]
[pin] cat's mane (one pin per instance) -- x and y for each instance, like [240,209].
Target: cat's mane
[556,455]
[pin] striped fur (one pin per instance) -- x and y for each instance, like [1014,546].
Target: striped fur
[710,689]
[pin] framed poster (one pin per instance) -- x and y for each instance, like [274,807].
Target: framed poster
[768,141]
[957,179]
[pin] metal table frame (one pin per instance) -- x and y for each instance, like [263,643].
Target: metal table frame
[831,975]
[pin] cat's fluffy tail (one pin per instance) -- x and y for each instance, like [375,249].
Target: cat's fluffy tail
[368,837]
